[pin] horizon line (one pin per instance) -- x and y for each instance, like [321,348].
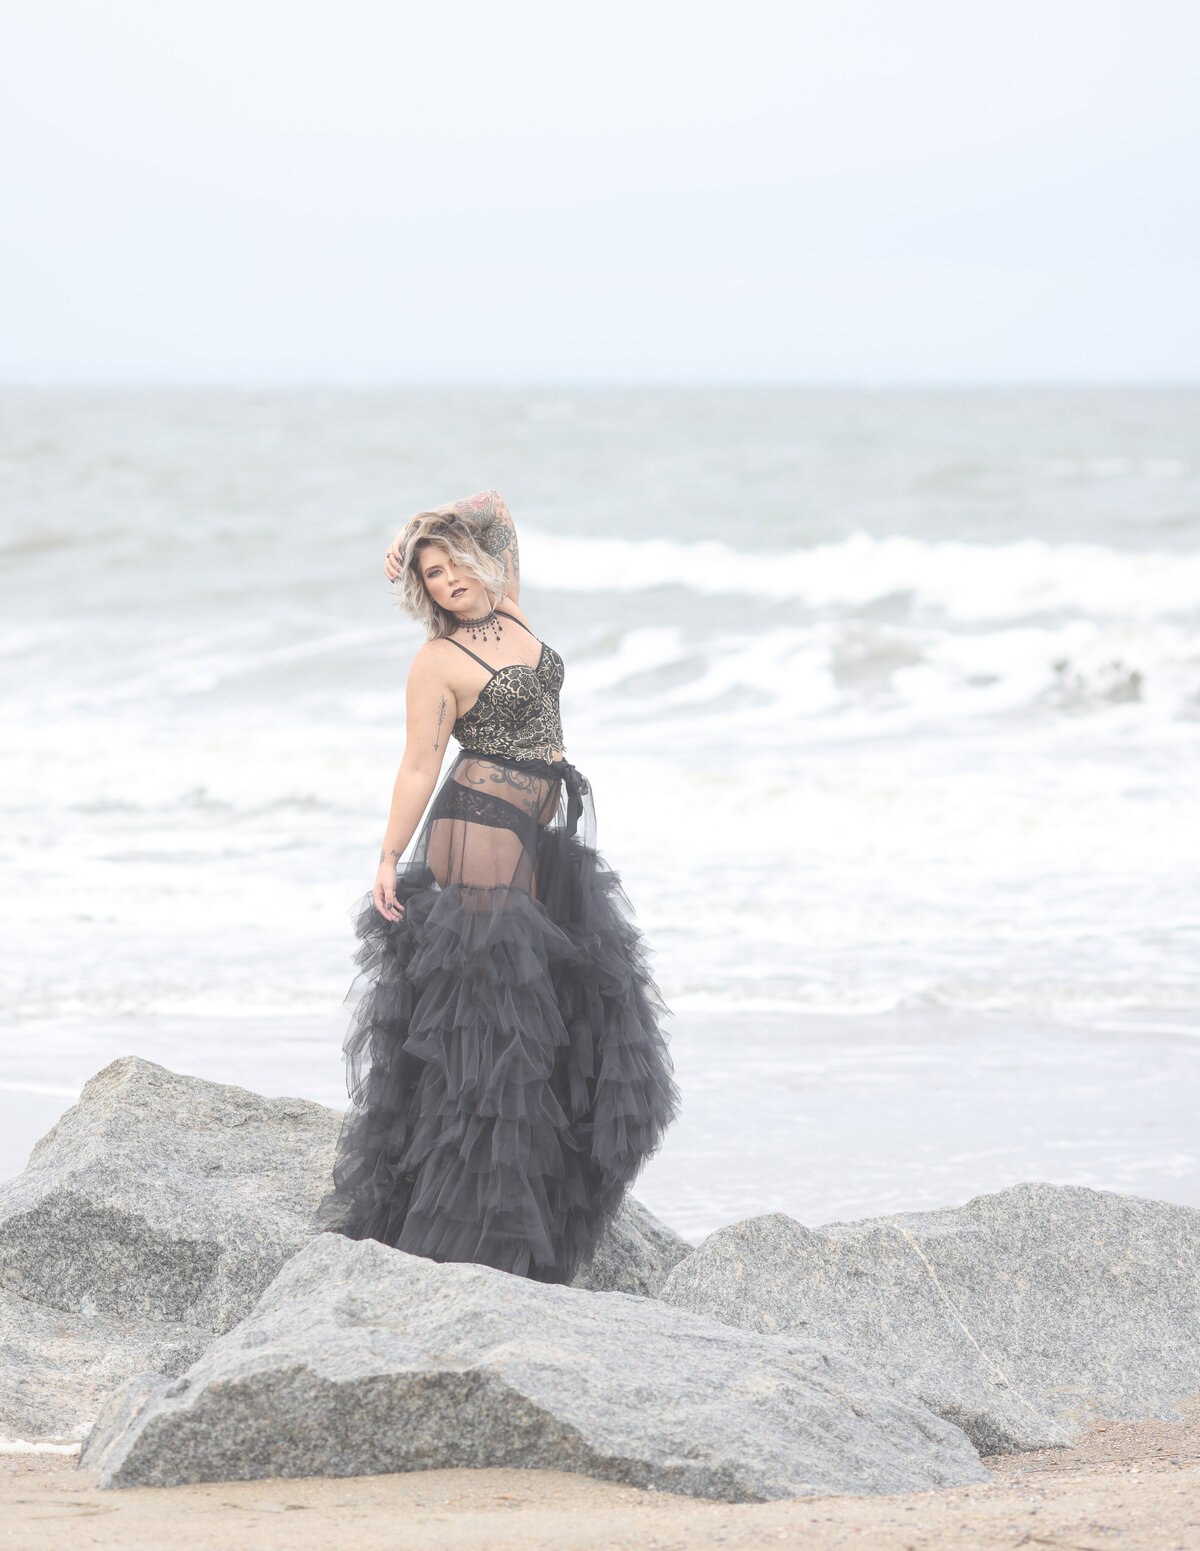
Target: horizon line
[594,385]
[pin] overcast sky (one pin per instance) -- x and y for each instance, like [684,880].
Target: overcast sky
[254,191]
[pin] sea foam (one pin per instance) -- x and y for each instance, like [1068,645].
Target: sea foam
[963,581]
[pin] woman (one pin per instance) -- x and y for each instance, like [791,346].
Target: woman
[507,1074]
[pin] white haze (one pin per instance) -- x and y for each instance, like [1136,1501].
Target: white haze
[470,192]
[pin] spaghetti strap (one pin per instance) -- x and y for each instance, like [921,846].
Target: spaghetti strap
[470,653]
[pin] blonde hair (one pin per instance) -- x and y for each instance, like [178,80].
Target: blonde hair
[462,540]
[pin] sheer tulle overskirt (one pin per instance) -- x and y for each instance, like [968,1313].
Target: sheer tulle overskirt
[506,1070]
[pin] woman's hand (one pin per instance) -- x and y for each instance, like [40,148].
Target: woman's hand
[393,560]
[384,892]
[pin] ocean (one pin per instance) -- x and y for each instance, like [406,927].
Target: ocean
[890,701]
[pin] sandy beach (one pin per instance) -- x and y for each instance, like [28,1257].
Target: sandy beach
[1124,1487]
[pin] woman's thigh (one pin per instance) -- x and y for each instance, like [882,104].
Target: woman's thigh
[479,856]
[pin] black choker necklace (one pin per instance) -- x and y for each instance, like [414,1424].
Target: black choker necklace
[479,627]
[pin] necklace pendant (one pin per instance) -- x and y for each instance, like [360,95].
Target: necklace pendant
[478,629]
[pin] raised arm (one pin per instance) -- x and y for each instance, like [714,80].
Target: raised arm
[497,533]
[490,511]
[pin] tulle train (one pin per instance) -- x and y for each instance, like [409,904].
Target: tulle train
[507,1074]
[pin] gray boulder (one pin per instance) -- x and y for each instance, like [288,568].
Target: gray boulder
[360,1360]
[164,1198]
[149,1219]
[1016,1316]
[636,1255]
[56,1369]
[152,1216]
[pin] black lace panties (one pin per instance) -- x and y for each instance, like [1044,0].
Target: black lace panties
[455,801]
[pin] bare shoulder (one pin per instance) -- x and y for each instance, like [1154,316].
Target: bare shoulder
[510,606]
[434,664]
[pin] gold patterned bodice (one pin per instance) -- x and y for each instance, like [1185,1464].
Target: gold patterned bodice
[516,714]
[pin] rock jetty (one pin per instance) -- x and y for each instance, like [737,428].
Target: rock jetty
[151,1218]
[159,1271]
[360,1359]
[1016,1316]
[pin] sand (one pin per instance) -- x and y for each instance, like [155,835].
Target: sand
[1123,1487]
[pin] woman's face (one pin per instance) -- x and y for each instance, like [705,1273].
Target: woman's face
[456,590]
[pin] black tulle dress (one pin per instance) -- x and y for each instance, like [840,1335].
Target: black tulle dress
[506,1071]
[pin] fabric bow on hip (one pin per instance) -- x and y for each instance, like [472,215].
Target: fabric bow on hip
[577,789]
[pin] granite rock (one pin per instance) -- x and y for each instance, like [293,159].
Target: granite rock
[164,1198]
[152,1216]
[636,1255]
[56,1369]
[360,1359]
[1016,1316]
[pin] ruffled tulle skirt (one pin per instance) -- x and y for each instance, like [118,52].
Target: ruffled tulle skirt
[506,1070]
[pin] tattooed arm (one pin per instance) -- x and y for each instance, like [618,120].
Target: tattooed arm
[432,709]
[497,534]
